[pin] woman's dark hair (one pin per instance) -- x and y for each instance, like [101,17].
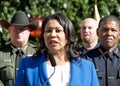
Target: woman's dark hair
[69,33]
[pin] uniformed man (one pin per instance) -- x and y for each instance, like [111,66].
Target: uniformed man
[106,57]
[88,34]
[19,31]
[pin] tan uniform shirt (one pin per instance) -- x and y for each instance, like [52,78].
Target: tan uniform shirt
[7,63]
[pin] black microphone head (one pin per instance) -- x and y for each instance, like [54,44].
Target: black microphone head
[52,60]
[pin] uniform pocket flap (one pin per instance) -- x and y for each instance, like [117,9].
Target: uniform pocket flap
[99,73]
[7,72]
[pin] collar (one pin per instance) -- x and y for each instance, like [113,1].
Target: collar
[22,48]
[115,52]
[84,51]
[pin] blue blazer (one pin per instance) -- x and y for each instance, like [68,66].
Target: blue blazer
[32,72]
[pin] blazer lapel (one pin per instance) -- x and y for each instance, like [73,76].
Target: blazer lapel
[42,70]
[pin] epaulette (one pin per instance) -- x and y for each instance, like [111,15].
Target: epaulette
[32,45]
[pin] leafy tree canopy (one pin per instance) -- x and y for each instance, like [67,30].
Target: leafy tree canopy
[76,10]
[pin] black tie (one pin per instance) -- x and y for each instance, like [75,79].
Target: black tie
[111,77]
[19,55]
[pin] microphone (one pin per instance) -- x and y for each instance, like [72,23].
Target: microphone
[53,63]
[52,60]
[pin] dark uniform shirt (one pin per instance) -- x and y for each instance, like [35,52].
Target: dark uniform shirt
[7,62]
[83,51]
[107,65]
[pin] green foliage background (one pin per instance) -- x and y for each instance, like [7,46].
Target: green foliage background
[76,10]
